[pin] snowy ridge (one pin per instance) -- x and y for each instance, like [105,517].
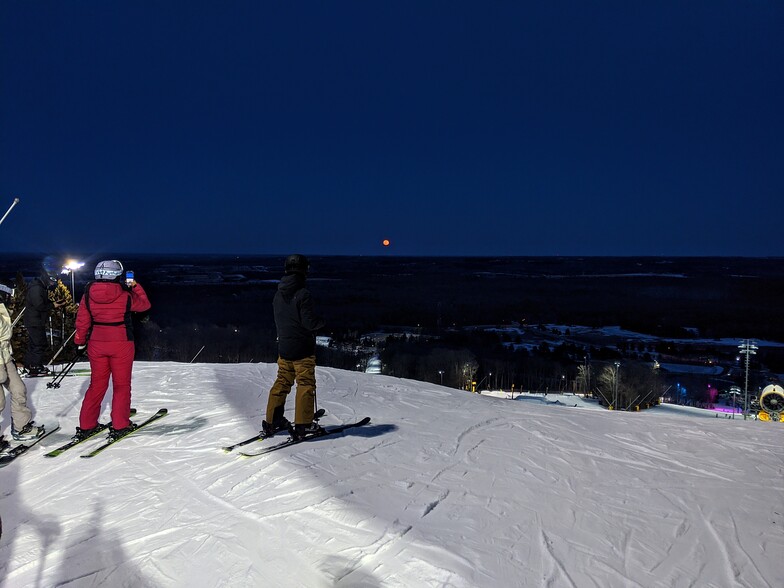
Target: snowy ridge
[442,488]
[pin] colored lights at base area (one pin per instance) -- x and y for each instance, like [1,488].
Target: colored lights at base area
[727,410]
[771,405]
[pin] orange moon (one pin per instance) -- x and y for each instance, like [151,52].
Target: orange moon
[385,242]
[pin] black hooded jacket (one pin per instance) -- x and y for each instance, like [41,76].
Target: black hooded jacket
[37,303]
[295,319]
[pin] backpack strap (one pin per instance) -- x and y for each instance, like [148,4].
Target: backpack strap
[127,322]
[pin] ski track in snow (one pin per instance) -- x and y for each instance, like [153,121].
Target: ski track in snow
[443,488]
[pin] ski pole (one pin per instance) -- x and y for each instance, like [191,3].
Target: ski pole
[7,212]
[18,316]
[59,351]
[197,354]
[55,383]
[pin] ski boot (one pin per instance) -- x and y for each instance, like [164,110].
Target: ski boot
[307,430]
[82,434]
[115,434]
[38,371]
[27,433]
[269,429]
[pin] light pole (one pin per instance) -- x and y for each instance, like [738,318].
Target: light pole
[586,377]
[747,348]
[441,373]
[617,373]
[71,266]
[734,390]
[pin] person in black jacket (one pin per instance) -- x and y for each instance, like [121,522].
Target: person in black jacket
[296,324]
[36,315]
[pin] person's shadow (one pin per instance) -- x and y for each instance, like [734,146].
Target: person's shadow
[10,511]
[94,559]
[344,574]
[16,514]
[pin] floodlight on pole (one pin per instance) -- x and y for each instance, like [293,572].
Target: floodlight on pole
[70,267]
[735,391]
[747,348]
[617,373]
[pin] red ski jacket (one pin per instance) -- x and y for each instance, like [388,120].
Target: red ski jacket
[106,315]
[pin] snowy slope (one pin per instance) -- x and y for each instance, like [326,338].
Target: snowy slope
[444,488]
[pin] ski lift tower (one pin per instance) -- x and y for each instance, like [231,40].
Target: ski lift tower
[747,348]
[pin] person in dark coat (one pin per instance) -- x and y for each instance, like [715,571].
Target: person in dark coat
[296,324]
[36,316]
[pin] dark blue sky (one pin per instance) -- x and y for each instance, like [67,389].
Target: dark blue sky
[451,128]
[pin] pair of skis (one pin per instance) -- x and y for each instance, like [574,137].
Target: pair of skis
[14,452]
[291,440]
[20,449]
[262,435]
[23,448]
[75,441]
[110,441]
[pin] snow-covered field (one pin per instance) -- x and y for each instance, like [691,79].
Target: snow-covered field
[443,488]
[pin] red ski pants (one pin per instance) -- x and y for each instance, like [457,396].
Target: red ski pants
[108,359]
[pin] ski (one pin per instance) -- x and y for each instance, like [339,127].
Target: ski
[22,448]
[290,441]
[261,436]
[160,414]
[74,441]
[47,374]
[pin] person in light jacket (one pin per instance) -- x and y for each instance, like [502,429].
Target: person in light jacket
[22,426]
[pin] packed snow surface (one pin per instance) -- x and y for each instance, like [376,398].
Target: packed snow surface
[444,488]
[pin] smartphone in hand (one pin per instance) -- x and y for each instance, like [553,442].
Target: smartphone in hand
[129,277]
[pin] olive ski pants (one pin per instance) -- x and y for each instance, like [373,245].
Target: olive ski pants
[303,372]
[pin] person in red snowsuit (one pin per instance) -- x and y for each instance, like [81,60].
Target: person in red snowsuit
[103,325]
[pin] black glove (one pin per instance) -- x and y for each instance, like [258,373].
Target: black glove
[81,348]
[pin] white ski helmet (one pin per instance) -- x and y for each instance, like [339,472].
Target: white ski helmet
[108,270]
[6,293]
